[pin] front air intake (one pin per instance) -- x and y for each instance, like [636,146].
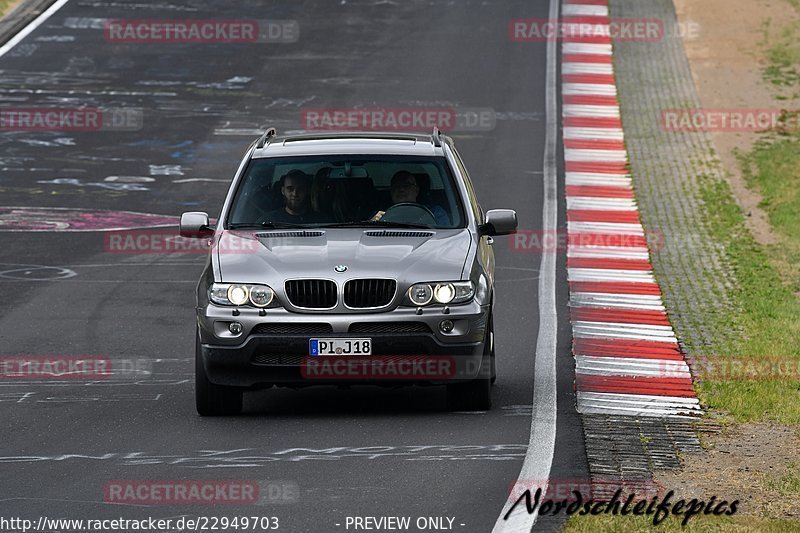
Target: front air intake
[311,293]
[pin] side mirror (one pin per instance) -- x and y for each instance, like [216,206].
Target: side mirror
[194,225]
[499,222]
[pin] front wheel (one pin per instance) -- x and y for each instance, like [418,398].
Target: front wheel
[211,399]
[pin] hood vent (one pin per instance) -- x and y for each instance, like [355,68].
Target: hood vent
[393,233]
[290,234]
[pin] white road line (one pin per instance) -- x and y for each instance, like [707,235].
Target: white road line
[610,333]
[608,252]
[586,48]
[616,301]
[638,328]
[591,203]
[601,89]
[609,298]
[604,134]
[593,178]
[608,274]
[588,30]
[622,366]
[680,401]
[35,23]
[591,156]
[587,68]
[541,446]
[584,110]
[585,10]
[638,405]
[606,228]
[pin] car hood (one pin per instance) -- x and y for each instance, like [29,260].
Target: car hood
[409,256]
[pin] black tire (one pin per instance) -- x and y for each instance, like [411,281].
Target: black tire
[475,395]
[490,338]
[211,399]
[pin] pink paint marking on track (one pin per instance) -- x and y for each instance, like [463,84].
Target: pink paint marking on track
[586,2]
[620,316]
[590,99]
[599,79]
[611,264]
[651,386]
[615,287]
[622,217]
[592,122]
[588,58]
[598,191]
[593,144]
[626,349]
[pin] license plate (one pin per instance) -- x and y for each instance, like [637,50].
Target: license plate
[340,347]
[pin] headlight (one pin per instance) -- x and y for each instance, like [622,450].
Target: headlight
[237,294]
[420,294]
[241,294]
[261,296]
[444,293]
[450,292]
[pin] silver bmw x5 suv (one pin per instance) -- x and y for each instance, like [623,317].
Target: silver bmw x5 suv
[346,259]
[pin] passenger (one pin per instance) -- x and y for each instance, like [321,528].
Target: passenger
[296,193]
[322,194]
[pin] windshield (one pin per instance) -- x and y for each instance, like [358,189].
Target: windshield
[333,190]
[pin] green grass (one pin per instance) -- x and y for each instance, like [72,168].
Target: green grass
[788,484]
[6,6]
[773,169]
[782,52]
[698,524]
[765,311]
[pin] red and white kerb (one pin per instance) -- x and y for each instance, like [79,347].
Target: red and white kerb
[627,357]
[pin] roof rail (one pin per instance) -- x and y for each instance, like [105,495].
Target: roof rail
[437,140]
[353,135]
[271,132]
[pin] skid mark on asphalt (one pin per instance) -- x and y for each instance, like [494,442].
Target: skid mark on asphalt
[35,272]
[72,219]
[255,457]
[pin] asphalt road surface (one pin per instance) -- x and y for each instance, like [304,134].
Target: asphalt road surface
[177,119]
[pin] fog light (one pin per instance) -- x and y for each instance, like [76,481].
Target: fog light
[446,326]
[235,328]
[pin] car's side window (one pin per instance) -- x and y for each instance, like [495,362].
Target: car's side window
[473,201]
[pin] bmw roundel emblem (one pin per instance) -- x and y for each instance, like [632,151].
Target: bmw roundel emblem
[340,268]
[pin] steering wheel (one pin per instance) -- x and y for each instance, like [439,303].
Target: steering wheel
[410,213]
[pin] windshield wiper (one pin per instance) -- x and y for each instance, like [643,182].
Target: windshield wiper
[370,223]
[266,225]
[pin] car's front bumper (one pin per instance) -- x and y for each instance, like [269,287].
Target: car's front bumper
[274,349]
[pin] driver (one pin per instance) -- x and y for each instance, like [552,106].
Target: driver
[404,189]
